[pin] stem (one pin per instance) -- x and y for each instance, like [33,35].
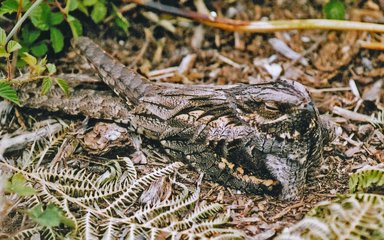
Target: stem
[262,26]
[22,19]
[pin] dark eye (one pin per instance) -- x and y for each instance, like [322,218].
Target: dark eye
[271,106]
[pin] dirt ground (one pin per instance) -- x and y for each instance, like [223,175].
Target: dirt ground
[336,70]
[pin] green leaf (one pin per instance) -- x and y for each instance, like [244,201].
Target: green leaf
[8,6]
[89,2]
[29,36]
[55,18]
[99,12]
[57,40]
[40,67]
[75,25]
[3,37]
[7,92]
[13,46]
[40,16]
[3,52]
[29,59]
[46,85]
[71,5]
[82,8]
[18,185]
[39,49]
[334,9]
[50,217]
[63,85]
[51,68]
[120,20]
[11,6]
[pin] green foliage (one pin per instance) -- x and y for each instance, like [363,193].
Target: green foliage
[52,216]
[7,92]
[7,48]
[11,6]
[334,9]
[29,41]
[45,20]
[54,17]
[17,184]
[46,85]
[358,216]
[120,20]
[367,180]
[63,85]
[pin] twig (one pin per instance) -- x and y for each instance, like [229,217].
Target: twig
[148,37]
[351,115]
[22,19]
[9,142]
[372,45]
[286,210]
[262,26]
[337,89]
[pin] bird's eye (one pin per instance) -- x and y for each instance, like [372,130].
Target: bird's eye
[271,106]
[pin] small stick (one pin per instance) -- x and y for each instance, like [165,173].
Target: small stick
[262,26]
[351,115]
[286,210]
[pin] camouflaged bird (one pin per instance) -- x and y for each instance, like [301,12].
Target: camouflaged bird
[241,136]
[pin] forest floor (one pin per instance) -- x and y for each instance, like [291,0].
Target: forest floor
[334,67]
[337,72]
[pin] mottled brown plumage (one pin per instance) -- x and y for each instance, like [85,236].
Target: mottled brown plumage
[241,136]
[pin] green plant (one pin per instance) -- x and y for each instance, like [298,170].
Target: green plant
[51,18]
[358,216]
[36,71]
[108,205]
[6,49]
[334,9]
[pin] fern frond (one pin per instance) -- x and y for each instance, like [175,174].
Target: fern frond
[131,194]
[109,231]
[315,227]
[219,233]
[378,121]
[161,219]
[41,148]
[197,216]
[68,214]
[360,216]
[88,227]
[27,233]
[371,178]
[209,225]
[113,173]
[130,170]
[48,234]
[149,211]
[138,231]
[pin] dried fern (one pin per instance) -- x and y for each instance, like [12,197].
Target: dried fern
[105,205]
[5,116]
[378,121]
[358,216]
[367,179]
